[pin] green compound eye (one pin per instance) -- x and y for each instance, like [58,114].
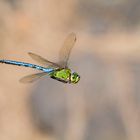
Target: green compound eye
[75,78]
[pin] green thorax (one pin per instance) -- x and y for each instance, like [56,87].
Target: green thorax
[62,75]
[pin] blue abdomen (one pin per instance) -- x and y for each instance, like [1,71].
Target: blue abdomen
[17,63]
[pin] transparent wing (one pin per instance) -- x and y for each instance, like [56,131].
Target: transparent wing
[33,77]
[42,60]
[66,49]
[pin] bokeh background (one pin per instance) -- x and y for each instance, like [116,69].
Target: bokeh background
[105,104]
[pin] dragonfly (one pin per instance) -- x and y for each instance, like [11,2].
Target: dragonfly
[58,71]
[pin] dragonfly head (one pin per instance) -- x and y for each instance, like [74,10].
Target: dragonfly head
[74,78]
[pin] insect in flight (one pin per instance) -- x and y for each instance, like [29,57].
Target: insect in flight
[58,71]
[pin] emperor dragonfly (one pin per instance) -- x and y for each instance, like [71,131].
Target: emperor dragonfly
[58,71]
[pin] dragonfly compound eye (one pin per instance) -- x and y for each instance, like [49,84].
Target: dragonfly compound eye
[75,78]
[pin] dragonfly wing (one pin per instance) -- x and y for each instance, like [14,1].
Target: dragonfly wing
[42,60]
[66,49]
[33,77]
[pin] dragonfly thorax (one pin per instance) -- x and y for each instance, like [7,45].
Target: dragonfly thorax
[65,75]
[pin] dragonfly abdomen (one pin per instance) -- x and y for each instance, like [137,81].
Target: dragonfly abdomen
[17,63]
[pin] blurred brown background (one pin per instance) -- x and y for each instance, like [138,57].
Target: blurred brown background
[105,104]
